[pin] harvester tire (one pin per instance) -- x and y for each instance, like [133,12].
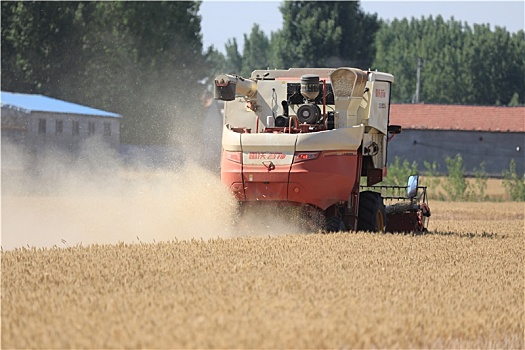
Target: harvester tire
[372,212]
[335,224]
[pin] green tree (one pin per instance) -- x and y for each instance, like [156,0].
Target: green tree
[234,59]
[143,60]
[167,65]
[518,48]
[398,172]
[457,183]
[325,33]
[461,64]
[215,61]
[480,184]
[398,56]
[514,183]
[441,48]
[432,179]
[492,66]
[256,51]
[41,42]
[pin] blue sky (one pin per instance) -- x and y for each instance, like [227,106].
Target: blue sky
[223,20]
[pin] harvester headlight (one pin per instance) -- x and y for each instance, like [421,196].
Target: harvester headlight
[304,156]
[233,156]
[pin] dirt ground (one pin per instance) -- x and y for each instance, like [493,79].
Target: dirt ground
[459,286]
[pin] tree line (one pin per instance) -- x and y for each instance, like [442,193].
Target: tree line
[143,60]
[146,60]
[461,64]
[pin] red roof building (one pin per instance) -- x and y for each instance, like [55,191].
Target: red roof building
[456,117]
[431,133]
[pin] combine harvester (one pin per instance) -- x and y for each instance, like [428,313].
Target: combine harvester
[305,137]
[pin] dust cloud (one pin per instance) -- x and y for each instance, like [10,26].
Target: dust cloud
[56,199]
[93,197]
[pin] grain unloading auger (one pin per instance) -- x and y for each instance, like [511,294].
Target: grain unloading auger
[305,137]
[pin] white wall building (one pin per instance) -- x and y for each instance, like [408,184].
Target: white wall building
[35,126]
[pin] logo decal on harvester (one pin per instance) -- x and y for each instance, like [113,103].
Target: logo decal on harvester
[380,93]
[266,155]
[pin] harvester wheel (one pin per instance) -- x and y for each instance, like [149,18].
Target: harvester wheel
[372,213]
[335,224]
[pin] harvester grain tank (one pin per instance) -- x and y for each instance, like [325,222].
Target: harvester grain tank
[305,137]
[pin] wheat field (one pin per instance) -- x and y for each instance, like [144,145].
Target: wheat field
[459,286]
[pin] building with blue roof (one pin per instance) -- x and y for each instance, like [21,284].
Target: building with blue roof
[39,103]
[39,124]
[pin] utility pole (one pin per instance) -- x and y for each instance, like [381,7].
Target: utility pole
[418,79]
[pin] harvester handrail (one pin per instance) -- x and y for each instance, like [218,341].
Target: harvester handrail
[396,190]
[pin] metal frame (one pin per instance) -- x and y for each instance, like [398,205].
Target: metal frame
[416,210]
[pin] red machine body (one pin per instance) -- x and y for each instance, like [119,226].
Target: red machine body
[305,137]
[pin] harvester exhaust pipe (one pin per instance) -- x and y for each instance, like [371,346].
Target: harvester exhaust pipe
[348,85]
[228,86]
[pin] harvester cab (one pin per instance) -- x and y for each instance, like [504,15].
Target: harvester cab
[305,137]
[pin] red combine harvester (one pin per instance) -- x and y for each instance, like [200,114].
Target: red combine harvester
[305,137]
